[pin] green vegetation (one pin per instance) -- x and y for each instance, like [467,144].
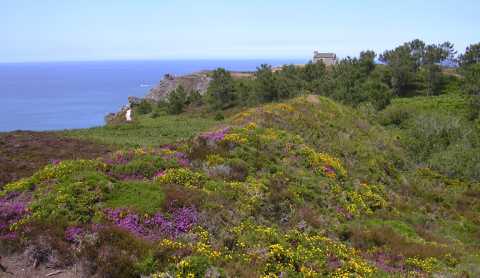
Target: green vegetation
[176,101]
[144,107]
[220,93]
[373,171]
[146,131]
[141,196]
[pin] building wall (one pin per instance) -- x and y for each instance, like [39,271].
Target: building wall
[326,61]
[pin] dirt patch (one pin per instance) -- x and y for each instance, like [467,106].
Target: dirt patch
[313,99]
[16,266]
[24,152]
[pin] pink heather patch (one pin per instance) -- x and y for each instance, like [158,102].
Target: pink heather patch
[11,211]
[180,157]
[120,158]
[159,174]
[329,169]
[155,227]
[55,161]
[73,234]
[387,262]
[215,136]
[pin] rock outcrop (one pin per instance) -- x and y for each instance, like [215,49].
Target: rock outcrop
[193,82]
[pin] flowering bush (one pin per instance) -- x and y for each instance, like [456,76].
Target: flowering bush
[73,234]
[260,199]
[60,171]
[211,138]
[322,163]
[235,138]
[120,157]
[154,227]
[297,253]
[73,198]
[363,200]
[181,176]
[427,265]
[180,157]
[214,159]
[11,212]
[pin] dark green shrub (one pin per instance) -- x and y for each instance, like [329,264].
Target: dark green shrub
[144,107]
[376,93]
[142,166]
[155,114]
[195,98]
[147,265]
[176,101]
[219,117]
[221,91]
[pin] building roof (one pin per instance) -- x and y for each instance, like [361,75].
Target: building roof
[319,55]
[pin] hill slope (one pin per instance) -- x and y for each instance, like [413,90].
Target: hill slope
[305,188]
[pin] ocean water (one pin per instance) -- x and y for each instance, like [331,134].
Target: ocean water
[69,95]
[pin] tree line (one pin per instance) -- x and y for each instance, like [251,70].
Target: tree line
[411,69]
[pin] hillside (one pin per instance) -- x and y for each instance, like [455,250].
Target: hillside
[301,188]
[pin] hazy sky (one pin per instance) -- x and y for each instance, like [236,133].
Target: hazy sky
[66,30]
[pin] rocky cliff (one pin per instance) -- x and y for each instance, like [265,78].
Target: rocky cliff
[192,82]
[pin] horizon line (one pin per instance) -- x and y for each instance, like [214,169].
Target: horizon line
[154,60]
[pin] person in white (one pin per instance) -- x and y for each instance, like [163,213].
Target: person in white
[128,115]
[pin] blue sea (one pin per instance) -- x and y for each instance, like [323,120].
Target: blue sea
[70,95]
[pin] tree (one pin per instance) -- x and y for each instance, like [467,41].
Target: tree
[221,91]
[432,76]
[377,93]
[367,61]
[433,56]
[194,98]
[245,90]
[314,71]
[417,51]
[347,78]
[472,80]
[472,88]
[449,52]
[266,83]
[403,63]
[471,56]
[289,81]
[406,60]
[176,100]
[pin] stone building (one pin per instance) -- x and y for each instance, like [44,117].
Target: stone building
[326,58]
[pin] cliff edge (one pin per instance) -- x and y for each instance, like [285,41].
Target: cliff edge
[195,82]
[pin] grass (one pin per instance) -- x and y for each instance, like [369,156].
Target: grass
[453,104]
[143,197]
[146,131]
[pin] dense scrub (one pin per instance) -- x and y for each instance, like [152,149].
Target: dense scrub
[304,188]
[438,133]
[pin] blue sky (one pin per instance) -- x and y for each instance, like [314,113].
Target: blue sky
[64,30]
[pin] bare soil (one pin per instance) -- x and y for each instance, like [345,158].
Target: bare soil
[17,267]
[24,152]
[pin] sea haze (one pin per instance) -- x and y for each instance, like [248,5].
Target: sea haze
[68,95]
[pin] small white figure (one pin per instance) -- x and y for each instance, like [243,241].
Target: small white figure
[128,115]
